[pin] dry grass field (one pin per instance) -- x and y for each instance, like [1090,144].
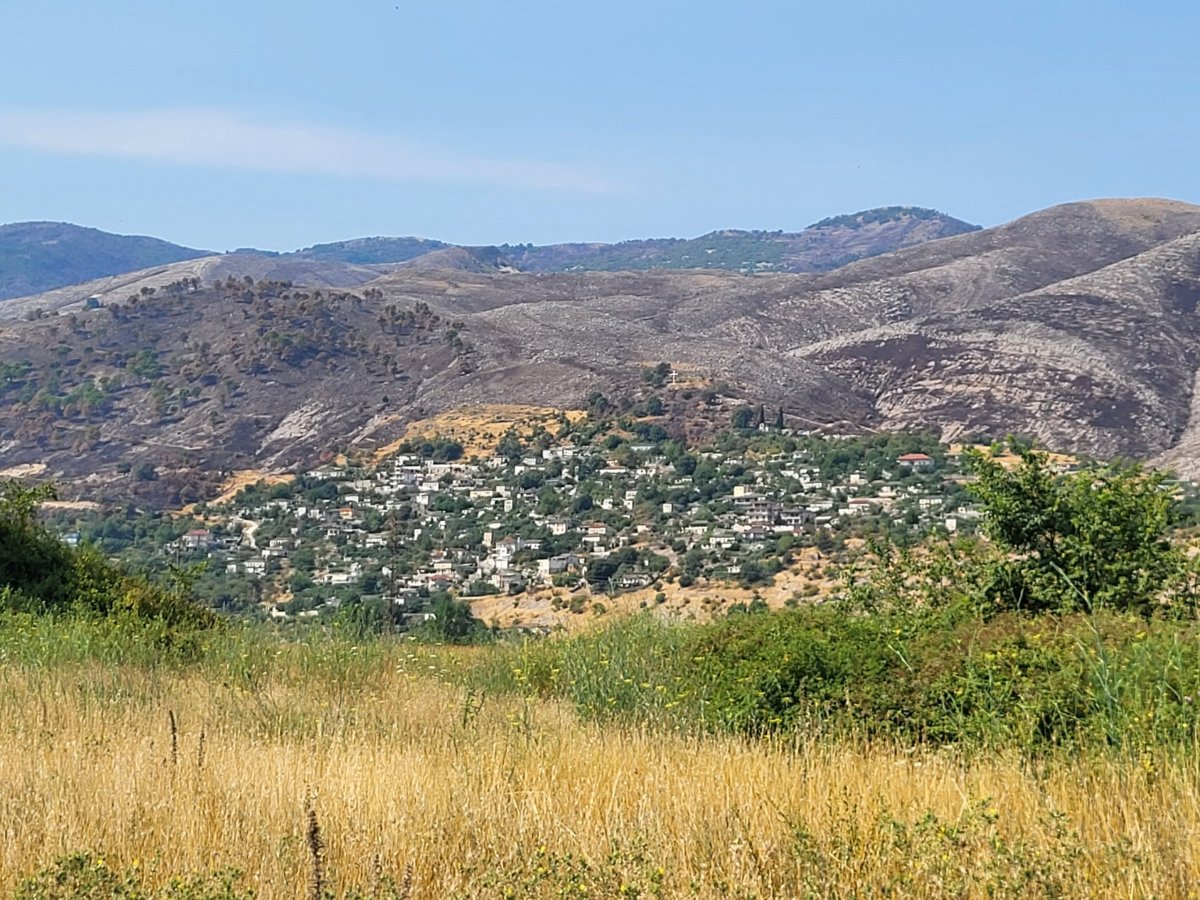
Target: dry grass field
[165,770]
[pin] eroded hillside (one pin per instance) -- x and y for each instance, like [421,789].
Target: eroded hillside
[1076,325]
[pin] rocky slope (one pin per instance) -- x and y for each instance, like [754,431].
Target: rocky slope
[1076,325]
[208,270]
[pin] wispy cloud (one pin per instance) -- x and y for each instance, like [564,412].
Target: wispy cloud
[221,138]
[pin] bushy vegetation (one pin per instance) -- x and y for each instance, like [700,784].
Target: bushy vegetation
[41,574]
[1012,681]
[880,216]
[1074,625]
[1097,538]
[87,875]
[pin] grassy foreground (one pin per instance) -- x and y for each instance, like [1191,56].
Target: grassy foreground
[459,792]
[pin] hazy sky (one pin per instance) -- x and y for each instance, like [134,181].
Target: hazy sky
[278,125]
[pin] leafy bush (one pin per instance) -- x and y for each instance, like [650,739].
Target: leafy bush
[920,676]
[1094,538]
[452,623]
[85,876]
[39,573]
[88,876]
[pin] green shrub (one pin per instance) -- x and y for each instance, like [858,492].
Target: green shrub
[932,676]
[41,574]
[86,876]
[1090,539]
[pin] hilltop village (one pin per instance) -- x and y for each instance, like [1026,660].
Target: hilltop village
[574,512]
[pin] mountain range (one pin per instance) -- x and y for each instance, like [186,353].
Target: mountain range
[1075,325]
[40,256]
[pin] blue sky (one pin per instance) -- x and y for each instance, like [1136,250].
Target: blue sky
[279,125]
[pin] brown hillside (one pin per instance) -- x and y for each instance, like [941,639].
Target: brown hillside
[1076,325]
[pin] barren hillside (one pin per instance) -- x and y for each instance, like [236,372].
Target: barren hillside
[1076,325]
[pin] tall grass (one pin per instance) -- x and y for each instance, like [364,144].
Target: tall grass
[479,786]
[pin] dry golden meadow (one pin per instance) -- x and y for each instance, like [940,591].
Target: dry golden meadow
[459,793]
